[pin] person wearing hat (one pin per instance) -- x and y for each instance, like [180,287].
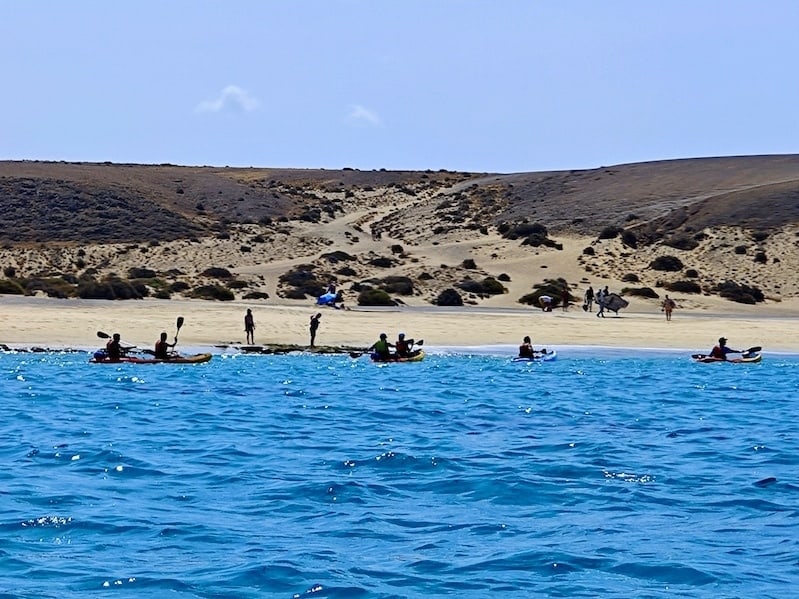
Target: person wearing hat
[721,350]
[381,347]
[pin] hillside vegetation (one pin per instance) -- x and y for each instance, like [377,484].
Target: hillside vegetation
[288,233]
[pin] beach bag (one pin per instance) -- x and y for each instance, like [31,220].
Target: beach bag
[585,307]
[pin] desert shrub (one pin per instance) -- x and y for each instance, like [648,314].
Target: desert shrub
[537,240]
[630,277]
[589,251]
[760,257]
[640,292]
[53,287]
[610,232]
[425,276]
[397,249]
[684,287]
[11,287]
[111,288]
[736,292]
[740,249]
[382,262]
[256,295]
[666,263]
[629,239]
[469,264]
[162,294]
[178,287]
[692,273]
[337,256]
[504,277]
[488,286]
[237,284]
[312,215]
[517,231]
[347,271]
[551,287]
[217,272]
[10,272]
[245,249]
[303,280]
[396,284]
[759,236]
[375,297]
[448,297]
[142,273]
[213,292]
[681,242]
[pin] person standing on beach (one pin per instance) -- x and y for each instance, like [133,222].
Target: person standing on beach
[589,299]
[668,306]
[600,301]
[314,326]
[565,297]
[249,327]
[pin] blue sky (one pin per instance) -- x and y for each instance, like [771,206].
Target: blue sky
[496,86]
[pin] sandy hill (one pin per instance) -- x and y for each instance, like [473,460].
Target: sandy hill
[689,225]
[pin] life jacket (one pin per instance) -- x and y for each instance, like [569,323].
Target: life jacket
[402,347]
[381,346]
[717,352]
[525,351]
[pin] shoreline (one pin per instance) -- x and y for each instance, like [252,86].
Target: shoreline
[53,323]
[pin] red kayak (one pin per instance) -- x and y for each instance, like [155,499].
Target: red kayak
[101,358]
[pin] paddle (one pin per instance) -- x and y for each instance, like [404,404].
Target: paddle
[179,324]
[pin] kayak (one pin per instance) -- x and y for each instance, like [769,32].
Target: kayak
[752,358]
[539,357]
[100,357]
[415,356]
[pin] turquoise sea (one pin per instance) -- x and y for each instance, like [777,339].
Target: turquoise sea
[601,474]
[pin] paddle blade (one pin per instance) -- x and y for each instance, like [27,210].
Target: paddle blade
[180,322]
[102,335]
[420,342]
[756,348]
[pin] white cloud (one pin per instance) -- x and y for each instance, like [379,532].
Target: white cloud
[361,114]
[230,99]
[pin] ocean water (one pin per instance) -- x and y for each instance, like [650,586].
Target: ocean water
[602,474]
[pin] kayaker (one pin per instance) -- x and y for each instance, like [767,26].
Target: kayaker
[113,348]
[402,347]
[162,348]
[721,350]
[526,348]
[381,347]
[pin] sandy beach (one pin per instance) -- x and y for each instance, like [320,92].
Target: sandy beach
[409,242]
[44,322]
